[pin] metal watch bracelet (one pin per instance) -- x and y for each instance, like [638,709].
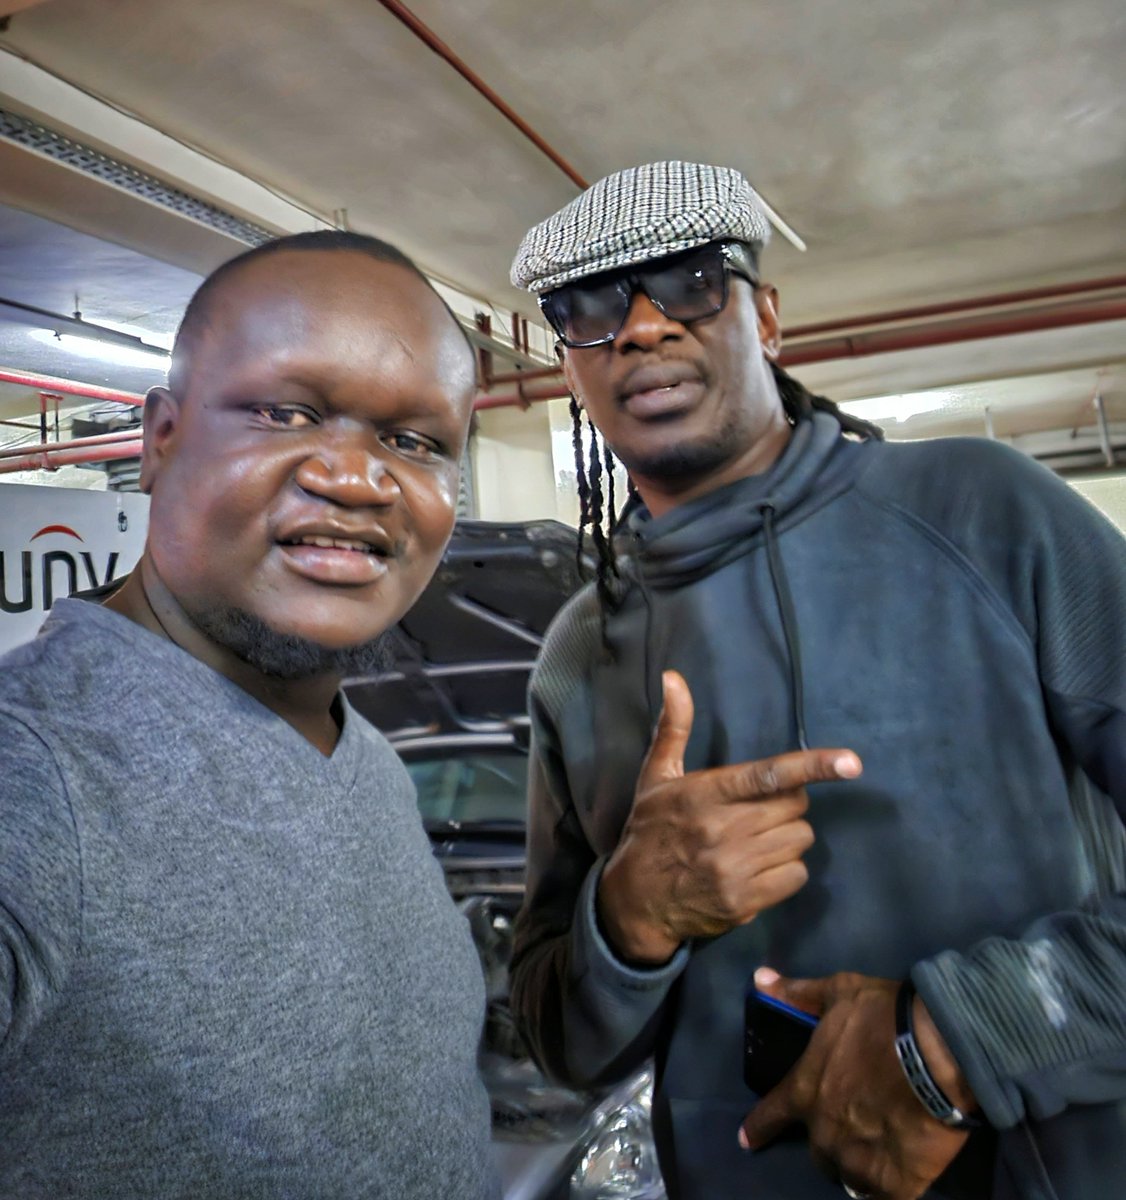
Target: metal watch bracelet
[928,1093]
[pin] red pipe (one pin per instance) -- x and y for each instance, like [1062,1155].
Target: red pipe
[440,48]
[522,398]
[945,333]
[97,439]
[820,350]
[524,376]
[960,306]
[857,345]
[50,460]
[88,390]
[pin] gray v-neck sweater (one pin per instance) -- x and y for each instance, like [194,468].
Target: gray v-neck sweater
[228,964]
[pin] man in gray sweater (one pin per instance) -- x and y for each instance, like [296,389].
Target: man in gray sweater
[229,967]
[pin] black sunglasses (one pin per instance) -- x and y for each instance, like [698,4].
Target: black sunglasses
[685,287]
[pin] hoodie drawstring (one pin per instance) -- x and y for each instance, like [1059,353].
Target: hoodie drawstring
[789,621]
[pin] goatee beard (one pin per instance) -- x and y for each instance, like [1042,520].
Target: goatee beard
[287,656]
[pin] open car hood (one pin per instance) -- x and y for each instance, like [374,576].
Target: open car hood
[460,659]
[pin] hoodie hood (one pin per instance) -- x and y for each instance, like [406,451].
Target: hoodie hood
[703,535]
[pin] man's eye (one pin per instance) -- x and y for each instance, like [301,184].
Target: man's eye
[413,445]
[285,416]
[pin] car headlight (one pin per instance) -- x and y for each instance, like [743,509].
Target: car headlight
[620,1162]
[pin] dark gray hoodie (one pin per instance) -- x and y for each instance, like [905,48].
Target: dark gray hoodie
[957,616]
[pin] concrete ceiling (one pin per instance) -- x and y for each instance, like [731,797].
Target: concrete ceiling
[49,266]
[926,153]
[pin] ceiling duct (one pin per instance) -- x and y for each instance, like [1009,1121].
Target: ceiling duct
[31,136]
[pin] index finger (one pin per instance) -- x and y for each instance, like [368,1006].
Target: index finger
[783,773]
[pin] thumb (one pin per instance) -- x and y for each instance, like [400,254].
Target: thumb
[665,759]
[810,995]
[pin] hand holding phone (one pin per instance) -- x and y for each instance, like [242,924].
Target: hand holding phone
[775,1037]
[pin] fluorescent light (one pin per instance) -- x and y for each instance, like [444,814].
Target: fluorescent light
[158,341]
[110,352]
[898,408]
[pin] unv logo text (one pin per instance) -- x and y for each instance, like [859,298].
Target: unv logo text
[72,569]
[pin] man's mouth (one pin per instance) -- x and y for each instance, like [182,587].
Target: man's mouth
[334,543]
[338,561]
[661,389]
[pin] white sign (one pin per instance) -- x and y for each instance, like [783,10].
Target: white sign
[55,541]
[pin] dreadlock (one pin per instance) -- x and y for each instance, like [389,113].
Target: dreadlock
[595,468]
[800,403]
[591,469]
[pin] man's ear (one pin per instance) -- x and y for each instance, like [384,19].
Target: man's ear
[161,421]
[769,326]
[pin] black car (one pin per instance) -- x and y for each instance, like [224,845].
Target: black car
[452,700]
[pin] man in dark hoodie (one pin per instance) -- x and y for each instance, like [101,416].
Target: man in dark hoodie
[948,894]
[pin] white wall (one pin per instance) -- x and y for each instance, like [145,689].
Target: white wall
[1108,493]
[525,465]
[514,477]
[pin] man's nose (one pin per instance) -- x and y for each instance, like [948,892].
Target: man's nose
[645,324]
[350,471]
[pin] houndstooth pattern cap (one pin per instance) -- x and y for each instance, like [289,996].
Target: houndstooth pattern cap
[638,214]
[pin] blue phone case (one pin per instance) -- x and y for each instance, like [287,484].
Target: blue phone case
[776,1035]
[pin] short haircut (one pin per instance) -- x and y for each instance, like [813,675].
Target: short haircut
[197,314]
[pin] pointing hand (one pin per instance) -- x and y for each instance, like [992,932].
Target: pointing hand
[704,852]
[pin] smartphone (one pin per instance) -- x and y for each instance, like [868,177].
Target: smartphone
[776,1035]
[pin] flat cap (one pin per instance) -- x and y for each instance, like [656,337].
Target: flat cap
[638,214]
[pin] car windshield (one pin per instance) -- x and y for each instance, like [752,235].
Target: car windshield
[471,787]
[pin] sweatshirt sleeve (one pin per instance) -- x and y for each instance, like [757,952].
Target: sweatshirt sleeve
[40,883]
[1038,1023]
[588,1018]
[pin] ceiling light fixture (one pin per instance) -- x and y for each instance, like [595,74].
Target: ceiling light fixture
[151,357]
[57,327]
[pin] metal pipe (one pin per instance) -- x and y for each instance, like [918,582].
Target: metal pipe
[937,333]
[522,398]
[431,39]
[87,390]
[524,376]
[945,333]
[1105,443]
[51,460]
[97,439]
[960,306]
